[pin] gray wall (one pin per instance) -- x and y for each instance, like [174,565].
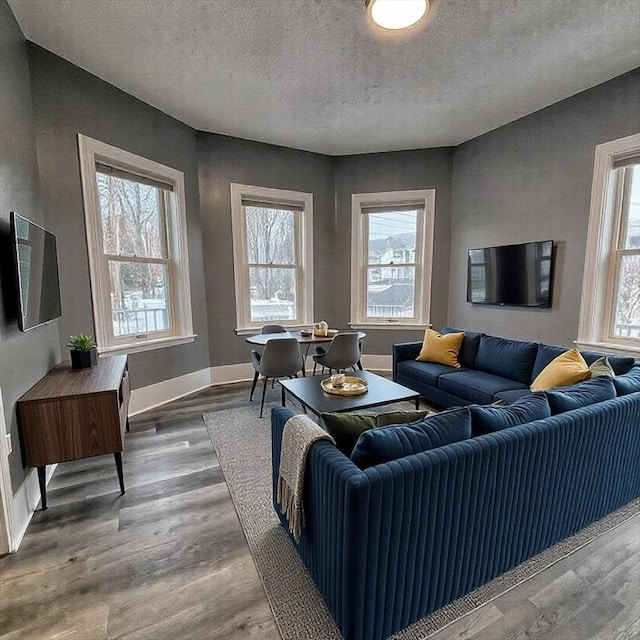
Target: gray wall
[68,101]
[223,160]
[531,180]
[24,357]
[396,171]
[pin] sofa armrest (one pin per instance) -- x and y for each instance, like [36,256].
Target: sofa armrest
[323,455]
[404,351]
[330,546]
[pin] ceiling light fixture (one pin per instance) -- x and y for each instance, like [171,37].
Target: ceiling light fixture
[396,14]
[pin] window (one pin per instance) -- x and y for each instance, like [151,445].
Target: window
[610,313]
[391,255]
[136,234]
[273,260]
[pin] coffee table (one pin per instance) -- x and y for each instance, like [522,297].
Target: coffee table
[381,391]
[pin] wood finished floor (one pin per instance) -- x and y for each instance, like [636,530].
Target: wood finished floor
[169,559]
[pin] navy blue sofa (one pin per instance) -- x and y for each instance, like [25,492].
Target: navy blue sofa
[391,544]
[492,368]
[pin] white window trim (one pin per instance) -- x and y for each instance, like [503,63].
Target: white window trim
[240,192]
[90,151]
[424,261]
[598,275]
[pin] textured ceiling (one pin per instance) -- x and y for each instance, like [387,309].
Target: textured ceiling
[315,75]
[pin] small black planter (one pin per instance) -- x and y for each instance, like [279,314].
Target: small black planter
[84,359]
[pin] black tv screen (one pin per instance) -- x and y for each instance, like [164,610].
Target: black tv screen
[515,274]
[37,273]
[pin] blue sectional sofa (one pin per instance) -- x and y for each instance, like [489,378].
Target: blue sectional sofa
[492,368]
[394,542]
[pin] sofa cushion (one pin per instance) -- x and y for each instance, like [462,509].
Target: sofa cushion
[389,443]
[476,386]
[620,364]
[601,367]
[441,348]
[580,395]
[546,353]
[535,406]
[506,358]
[469,347]
[347,427]
[511,395]
[627,383]
[425,372]
[567,369]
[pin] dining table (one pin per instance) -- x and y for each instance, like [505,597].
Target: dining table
[261,339]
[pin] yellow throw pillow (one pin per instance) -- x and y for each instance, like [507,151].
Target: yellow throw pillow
[442,348]
[568,368]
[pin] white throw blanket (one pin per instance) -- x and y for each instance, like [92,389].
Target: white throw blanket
[299,433]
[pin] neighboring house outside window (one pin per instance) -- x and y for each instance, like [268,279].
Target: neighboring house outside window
[136,234]
[391,258]
[610,311]
[273,256]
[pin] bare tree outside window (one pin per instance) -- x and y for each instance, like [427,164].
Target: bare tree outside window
[133,218]
[627,304]
[136,224]
[272,256]
[628,307]
[610,303]
[272,262]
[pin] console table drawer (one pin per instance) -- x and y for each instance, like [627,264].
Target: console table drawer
[69,429]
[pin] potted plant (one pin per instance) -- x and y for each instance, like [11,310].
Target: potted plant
[83,351]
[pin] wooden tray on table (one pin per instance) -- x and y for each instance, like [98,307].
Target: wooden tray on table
[352,386]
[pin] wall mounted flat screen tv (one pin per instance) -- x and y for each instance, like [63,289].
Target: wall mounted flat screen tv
[516,274]
[36,260]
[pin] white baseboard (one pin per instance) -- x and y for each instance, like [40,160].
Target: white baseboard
[160,393]
[24,504]
[155,395]
[229,373]
[377,363]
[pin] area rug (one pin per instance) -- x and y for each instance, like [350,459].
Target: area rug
[243,444]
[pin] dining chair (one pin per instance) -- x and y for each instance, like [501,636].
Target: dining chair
[273,328]
[360,347]
[344,351]
[280,358]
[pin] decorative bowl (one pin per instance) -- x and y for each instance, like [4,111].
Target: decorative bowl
[353,386]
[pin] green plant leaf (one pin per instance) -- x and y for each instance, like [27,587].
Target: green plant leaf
[81,342]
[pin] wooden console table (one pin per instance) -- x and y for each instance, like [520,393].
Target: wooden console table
[76,413]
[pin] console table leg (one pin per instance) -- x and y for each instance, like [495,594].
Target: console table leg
[118,456]
[42,481]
